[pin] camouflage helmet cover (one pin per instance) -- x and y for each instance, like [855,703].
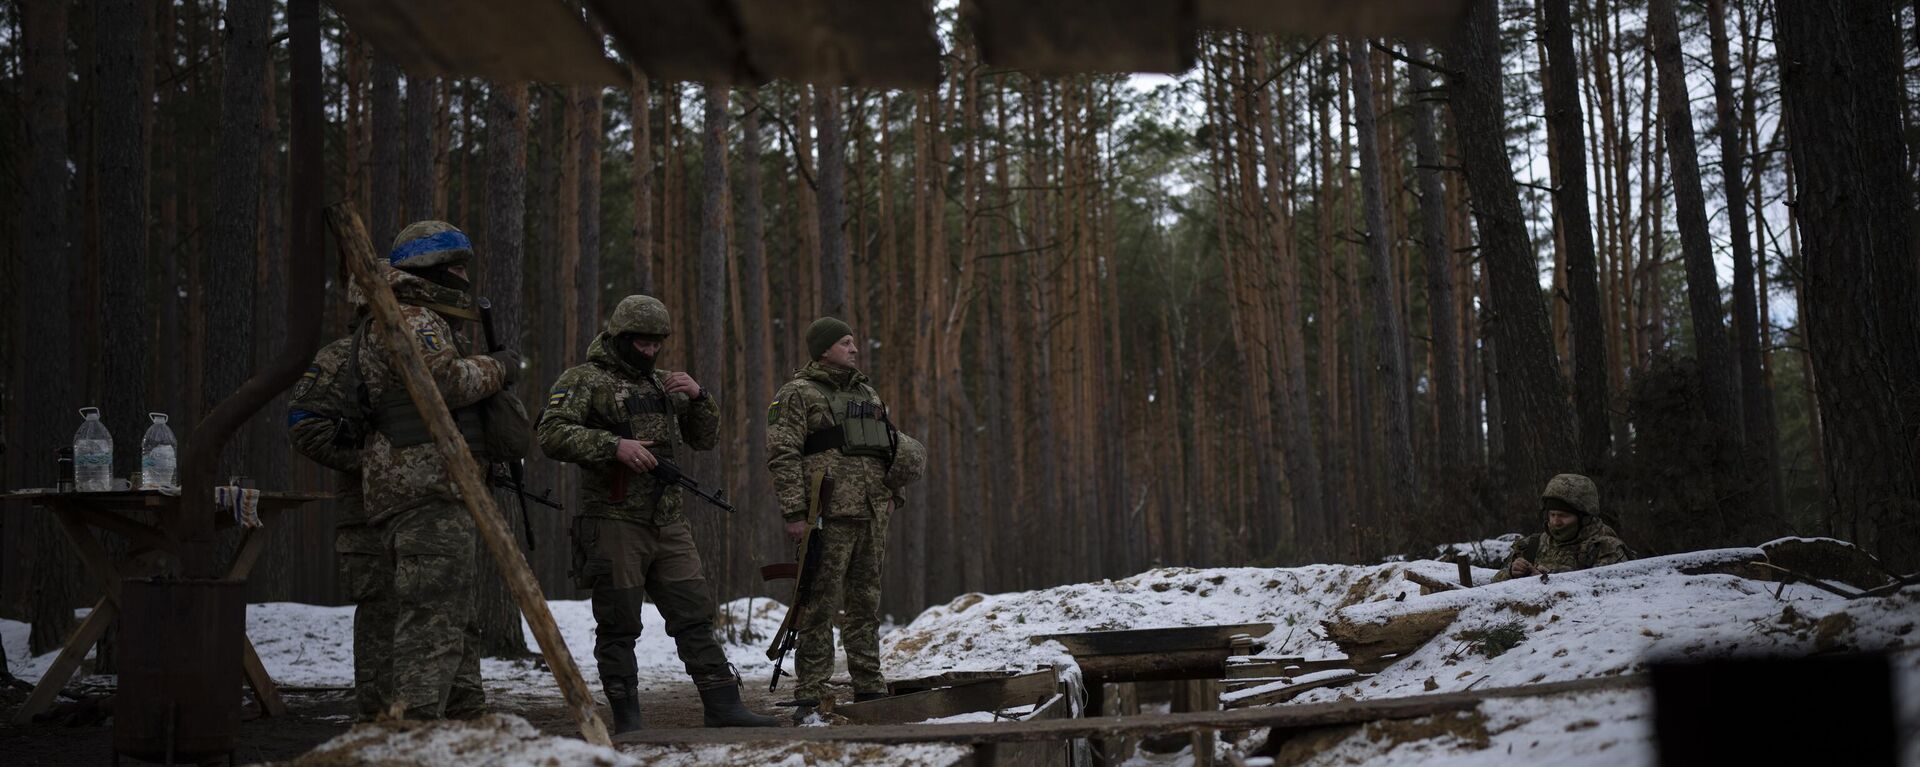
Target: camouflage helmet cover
[644,315]
[1576,490]
[428,243]
[909,463]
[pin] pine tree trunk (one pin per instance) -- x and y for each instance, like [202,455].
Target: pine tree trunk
[496,619]
[1389,328]
[123,93]
[1590,396]
[759,387]
[710,311]
[388,149]
[1756,400]
[236,219]
[640,117]
[833,205]
[1538,428]
[40,323]
[419,152]
[1841,85]
[1452,448]
[588,225]
[1690,208]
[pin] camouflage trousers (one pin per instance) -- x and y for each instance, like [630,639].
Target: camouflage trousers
[846,586]
[367,574]
[624,562]
[433,667]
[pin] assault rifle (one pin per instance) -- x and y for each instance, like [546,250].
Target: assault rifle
[802,573]
[666,472]
[516,469]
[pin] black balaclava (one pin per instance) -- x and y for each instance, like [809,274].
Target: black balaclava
[623,348]
[442,275]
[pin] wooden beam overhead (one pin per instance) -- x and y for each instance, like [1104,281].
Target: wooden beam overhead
[1421,19]
[505,40]
[749,42]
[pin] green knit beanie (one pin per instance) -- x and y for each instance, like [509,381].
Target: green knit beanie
[823,334]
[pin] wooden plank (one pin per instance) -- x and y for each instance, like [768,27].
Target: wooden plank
[71,654]
[1156,666]
[138,533]
[1268,697]
[946,679]
[262,683]
[1073,36]
[1171,638]
[989,695]
[1297,716]
[357,250]
[506,40]
[1371,18]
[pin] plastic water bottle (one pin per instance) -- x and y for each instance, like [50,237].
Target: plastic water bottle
[158,466]
[92,454]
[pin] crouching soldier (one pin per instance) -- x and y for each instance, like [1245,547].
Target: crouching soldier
[1576,537]
[616,417]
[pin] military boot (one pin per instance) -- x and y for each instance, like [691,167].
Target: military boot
[722,708]
[623,696]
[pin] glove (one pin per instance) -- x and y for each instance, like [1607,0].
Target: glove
[509,363]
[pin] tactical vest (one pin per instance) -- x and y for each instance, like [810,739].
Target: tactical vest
[860,428]
[396,416]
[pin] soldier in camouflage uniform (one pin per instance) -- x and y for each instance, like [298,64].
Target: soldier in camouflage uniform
[828,422]
[425,531]
[315,417]
[615,417]
[1575,538]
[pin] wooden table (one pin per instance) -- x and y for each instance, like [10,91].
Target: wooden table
[78,513]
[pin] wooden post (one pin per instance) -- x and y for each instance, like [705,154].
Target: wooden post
[357,250]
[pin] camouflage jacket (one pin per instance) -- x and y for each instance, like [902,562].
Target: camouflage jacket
[319,400]
[397,479]
[1595,546]
[586,410]
[800,408]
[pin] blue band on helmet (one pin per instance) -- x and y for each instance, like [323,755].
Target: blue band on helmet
[296,416]
[433,243]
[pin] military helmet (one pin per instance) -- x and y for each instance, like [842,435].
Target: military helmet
[644,315]
[1573,490]
[429,243]
[909,463]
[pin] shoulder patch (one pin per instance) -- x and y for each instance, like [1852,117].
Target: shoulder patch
[306,382]
[557,397]
[773,411]
[429,338]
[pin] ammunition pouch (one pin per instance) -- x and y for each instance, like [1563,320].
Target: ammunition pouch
[860,428]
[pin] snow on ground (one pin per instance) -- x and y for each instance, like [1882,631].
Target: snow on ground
[993,631]
[496,740]
[1616,620]
[312,646]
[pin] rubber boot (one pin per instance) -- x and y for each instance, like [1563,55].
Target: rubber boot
[722,708]
[624,699]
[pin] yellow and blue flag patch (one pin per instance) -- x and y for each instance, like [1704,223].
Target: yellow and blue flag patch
[430,339]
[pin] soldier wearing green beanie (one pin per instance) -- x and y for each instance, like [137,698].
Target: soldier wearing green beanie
[828,421]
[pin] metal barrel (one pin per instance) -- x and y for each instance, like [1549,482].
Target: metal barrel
[180,680]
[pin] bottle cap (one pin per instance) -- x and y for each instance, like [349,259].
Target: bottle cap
[158,417]
[91,413]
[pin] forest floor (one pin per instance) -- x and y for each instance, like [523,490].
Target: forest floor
[1604,623]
